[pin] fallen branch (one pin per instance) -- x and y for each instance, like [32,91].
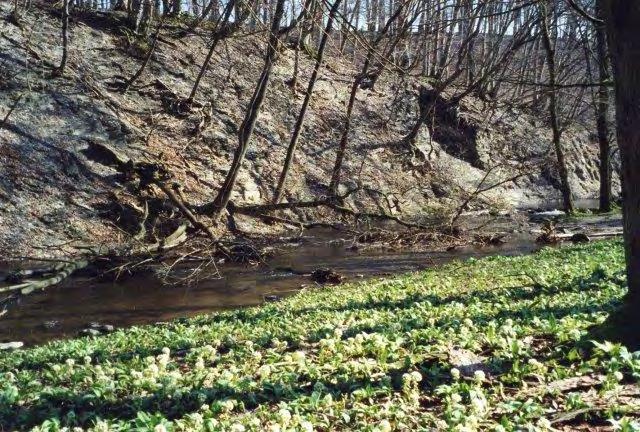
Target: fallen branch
[56,274]
[149,174]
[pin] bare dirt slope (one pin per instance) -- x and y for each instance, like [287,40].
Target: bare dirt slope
[52,193]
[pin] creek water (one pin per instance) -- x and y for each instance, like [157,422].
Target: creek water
[62,311]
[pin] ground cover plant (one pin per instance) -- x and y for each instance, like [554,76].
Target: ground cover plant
[495,344]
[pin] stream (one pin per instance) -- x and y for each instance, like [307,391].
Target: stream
[63,311]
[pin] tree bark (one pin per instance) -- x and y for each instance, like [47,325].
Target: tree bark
[65,38]
[219,33]
[602,108]
[622,18]
[246,129]
[144,64]
[344,138]
[305,104]
[565,187]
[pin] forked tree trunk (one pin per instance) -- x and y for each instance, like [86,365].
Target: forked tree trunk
[246,129]
[602,109]
[622,18]
[305,104]
[565,186]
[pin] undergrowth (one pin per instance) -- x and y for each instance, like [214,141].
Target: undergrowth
[492,344]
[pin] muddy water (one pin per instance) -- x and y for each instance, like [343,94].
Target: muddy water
[63,311]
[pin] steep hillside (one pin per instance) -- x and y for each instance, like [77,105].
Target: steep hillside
[55,191]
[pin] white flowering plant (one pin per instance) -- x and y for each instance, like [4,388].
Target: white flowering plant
[372,356]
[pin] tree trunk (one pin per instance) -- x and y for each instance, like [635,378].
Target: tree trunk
[622,21]
[565,187]
[305,104]
[246,129]
[602,109]
[144,64]
[65,38]
[217,36]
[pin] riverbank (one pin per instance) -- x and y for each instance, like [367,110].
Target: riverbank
[61,189]
[176,288]
[485,344]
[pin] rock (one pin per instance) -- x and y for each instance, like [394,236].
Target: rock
[52,324]
[467,362]
[546,215]
[11,345]
[325,275]
[272,298]
[580,238]
[95,329]
[89,332]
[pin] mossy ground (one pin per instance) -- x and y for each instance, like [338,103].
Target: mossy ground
[394,354]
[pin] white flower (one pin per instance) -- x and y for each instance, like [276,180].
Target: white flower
[478,402]
[535,363]
[456,398]
[384,426]
[70,362]
[274,428]
[166,351]
[479,376]
[455,373]
[101,426]
[575,334]
[285,416]
[416,376]
[10,377]
[237,427]
[87,360]
[199,364]
[160,428]
[228,404]
[499,428]
[264,371]
[618,376]
[544,424]
[298,356]
[204,407]
[306,426]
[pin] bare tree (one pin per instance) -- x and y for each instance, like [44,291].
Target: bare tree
[251,114]
[545,17]
[305,104]
[59,71]
[602,109]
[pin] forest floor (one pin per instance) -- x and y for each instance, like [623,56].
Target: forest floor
[56,196]
[499,344]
